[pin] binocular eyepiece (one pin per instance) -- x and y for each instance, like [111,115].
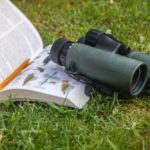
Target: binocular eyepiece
[97,66]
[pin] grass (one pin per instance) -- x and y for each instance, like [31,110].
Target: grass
[104,123]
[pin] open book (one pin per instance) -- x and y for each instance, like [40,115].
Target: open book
[24,72]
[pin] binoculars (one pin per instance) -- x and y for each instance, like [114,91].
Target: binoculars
[103,63]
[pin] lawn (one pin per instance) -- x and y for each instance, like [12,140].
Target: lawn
[104,123]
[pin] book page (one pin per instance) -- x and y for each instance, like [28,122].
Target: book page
[19,40]
[47,78]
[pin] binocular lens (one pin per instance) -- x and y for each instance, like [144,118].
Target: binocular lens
[138,79]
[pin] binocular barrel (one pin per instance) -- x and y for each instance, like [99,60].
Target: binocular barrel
[108,43]
[120,73]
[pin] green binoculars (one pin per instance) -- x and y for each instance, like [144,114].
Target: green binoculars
[98,68]
[107,42]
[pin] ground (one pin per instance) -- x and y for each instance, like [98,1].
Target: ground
[104,123]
